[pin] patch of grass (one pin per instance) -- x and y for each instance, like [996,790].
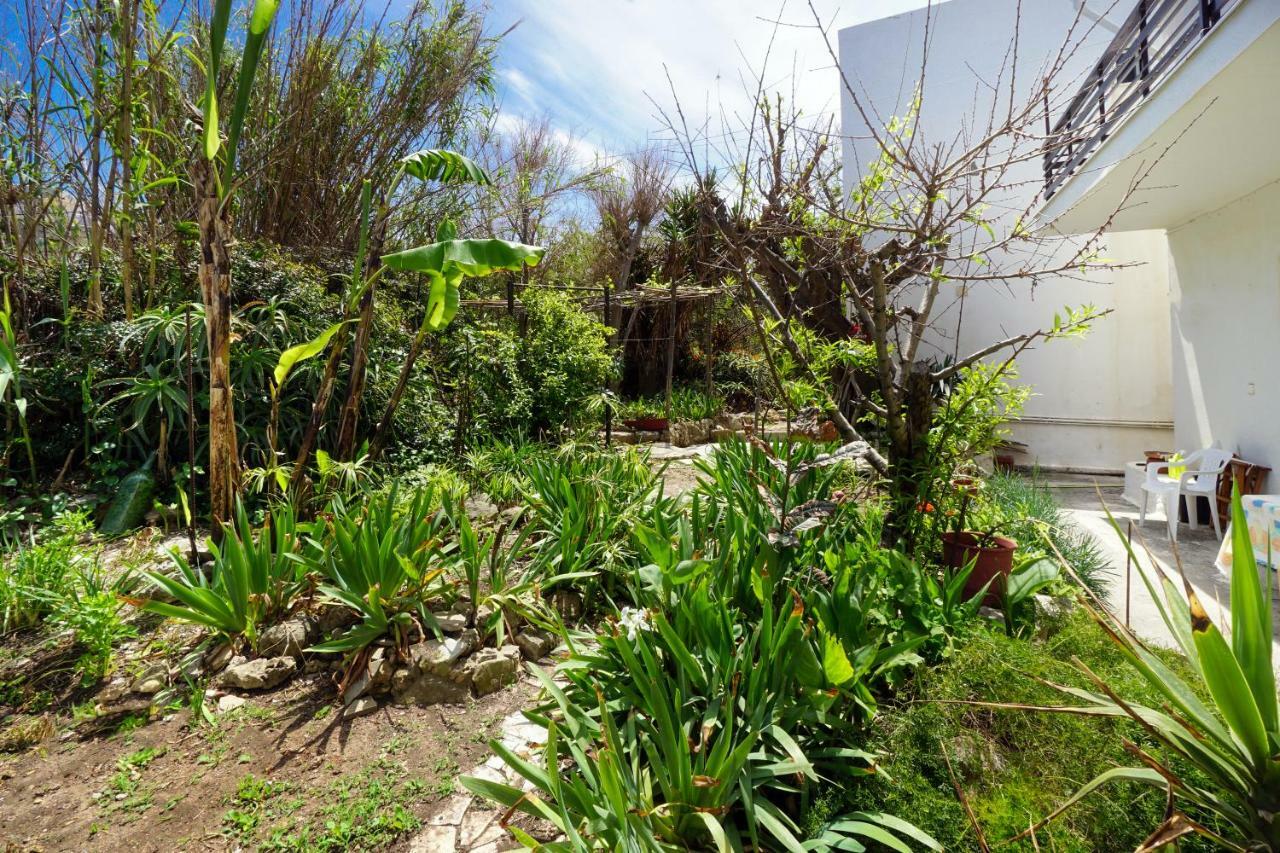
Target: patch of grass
[362,811]
[253,803]
[1015,766]
[126,790]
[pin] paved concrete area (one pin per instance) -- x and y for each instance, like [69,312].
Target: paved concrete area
[1084,496]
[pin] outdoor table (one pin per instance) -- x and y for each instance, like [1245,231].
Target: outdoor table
[1262,516]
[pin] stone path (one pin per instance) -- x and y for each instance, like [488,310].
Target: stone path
[465,824]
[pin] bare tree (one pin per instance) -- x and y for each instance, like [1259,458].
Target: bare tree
[627,203]
[870,261]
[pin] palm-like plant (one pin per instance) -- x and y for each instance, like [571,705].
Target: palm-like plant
[1233,739]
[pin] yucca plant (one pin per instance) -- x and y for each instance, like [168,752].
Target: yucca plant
[583,506]
[499,573]
[256,578]
[1232,740]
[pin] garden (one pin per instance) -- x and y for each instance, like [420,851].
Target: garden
[357,492]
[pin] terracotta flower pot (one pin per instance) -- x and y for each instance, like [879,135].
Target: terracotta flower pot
[992,557]
[647,424]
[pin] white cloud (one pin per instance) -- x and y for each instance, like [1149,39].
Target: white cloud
[599,66]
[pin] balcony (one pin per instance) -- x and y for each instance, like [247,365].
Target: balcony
[1176,118]
[1150,43]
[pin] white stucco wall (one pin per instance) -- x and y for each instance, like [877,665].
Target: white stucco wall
[1099,401]
[1225,275]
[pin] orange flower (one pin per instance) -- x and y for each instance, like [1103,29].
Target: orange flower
[924,506]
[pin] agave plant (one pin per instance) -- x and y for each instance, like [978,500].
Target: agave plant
[1232,740]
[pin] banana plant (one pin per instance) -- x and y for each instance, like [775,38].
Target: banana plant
[446,263]
[1232,739]
[212,187]
[11,378]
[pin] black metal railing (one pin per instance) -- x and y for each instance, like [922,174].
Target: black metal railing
[1146,48]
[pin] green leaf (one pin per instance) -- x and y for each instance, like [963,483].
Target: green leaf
[302,352]
[1251,617]
[1229,687]
[475,257]
[438,164]
[835,663]
[264,12]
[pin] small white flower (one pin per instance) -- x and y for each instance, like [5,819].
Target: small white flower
[634,621]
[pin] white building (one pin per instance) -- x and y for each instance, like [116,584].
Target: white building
[1099,401]
[1194,114]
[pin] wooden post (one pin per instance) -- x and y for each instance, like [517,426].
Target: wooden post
[1128,574]
[608,405]
[671,351]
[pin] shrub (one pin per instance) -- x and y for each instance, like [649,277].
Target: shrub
[255,578]
[36,576]
[564,360]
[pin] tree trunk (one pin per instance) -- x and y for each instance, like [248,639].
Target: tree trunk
[350,418]
[909,460]
[215,289]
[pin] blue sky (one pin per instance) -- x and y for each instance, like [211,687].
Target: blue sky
[593,66]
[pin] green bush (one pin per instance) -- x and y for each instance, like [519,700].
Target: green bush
[1015,766]
[36,576]
[564,359]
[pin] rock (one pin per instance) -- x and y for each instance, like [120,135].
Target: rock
[687,433]
[375,679]
[479,506]
[328,618]
[288,638]
[413,687]
[438,656]
[730,423]
[991,613]
[535,645]
[230,702]
[315,665]
[451,623]
[113,692]
[218,657]
[362,707]
[259,674]
[976,757]
[568,604]
[435,839]
[490,670]
[152,680]
[1053,606]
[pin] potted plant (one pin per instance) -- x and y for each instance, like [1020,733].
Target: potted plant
[991,554]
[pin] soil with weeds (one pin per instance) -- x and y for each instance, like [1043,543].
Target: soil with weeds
[286,771]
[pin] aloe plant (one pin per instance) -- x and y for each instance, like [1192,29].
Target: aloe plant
[1232,739]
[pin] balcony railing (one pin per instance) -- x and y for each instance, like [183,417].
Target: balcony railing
[1146,48]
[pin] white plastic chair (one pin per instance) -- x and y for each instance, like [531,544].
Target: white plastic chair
[1200,479]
